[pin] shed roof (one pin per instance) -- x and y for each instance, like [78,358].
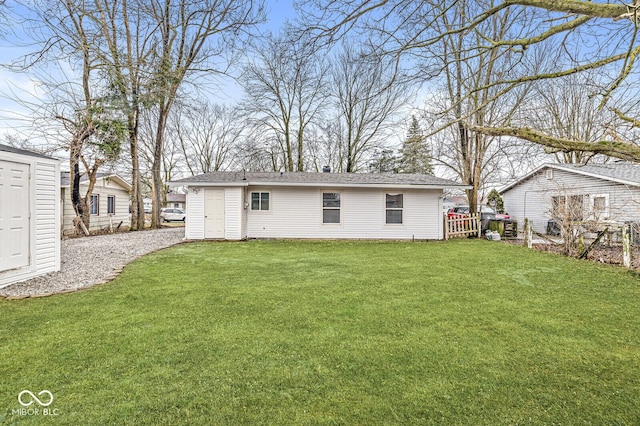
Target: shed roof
[625,173]
[13,150]
[318,179]
[176,197]
[65,179]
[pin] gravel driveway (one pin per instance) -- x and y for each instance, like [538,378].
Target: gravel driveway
[93,260]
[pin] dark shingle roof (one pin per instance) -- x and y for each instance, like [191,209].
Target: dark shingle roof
[619,172]
[625,173]
[175,197]
[318,179]
[65,179]
[7,148]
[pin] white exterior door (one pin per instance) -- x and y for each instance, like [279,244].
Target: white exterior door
[14,215]
[214,213]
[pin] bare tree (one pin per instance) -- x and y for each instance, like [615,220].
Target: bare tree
[79,102]
[469,98]
[193,37]
[125,46]
[566,108]
[206,134]
[367,96]
[410,28]
[285,86]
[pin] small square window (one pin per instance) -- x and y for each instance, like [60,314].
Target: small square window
[259,201]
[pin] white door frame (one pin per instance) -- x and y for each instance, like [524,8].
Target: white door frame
[15,217]
[214,213]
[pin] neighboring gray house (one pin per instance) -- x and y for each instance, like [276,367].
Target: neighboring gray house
[238,205]
[110,201]
[29,214]
[600,193]
[176,200]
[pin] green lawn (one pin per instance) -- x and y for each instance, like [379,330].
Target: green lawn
[462,332]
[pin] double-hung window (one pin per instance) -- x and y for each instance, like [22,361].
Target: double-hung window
[601,206]
[569,207]
[330,207]
[259,201]
[94,204]
[394,207]
[111,204]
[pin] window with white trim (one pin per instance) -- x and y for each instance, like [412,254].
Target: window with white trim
[111,204]
[569,207]
[600,205]
[394,206]
[94,204]
[330,207]
[260,201]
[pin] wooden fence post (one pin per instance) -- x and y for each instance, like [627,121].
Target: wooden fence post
[626,246]
[446,226]
[528,237]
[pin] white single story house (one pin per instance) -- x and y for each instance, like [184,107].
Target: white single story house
[29,214]
[110,201]
[239,205]
[604,193]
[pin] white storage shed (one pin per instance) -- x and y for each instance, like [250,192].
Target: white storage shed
[29,215]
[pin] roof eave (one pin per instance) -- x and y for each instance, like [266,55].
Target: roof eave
[565,169]
[322,185]
[596,175]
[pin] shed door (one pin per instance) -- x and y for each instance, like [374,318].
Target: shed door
[14,215]
[214,213]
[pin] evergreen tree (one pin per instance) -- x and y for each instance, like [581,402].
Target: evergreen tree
[415,155]
[384,161]
[495,196]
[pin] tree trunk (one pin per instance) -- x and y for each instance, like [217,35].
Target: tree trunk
[156,168]
[137,202]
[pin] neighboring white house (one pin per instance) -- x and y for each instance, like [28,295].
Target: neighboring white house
[238,205]
[29,214]
[110,201]
[595,192]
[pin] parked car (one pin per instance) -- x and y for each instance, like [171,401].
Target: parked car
[169,215]
[485,213]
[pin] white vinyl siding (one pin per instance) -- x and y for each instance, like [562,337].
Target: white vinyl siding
[194,227]
[43,193]
[47,214]
[533,197]
[103,189]
[296,212]
[233,213]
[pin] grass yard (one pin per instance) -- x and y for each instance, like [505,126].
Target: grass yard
[461,332]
